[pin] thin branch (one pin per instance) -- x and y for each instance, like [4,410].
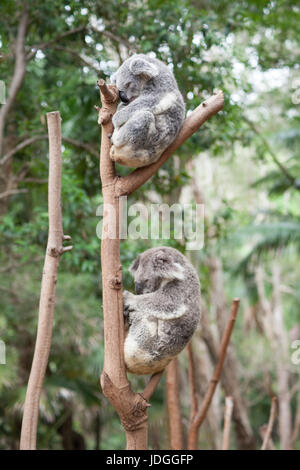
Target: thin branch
[17,266]
[227,422]
[21,146]
[151,386]
[82,145]
[11,192]
[262,432]
[54,250]
[201,413]
[272,417]
[115,38]
[35,180]
[44,45]
[68,140]
[272,153]
[192,382]
[79,57]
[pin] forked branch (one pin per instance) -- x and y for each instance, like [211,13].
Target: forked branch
[131,407]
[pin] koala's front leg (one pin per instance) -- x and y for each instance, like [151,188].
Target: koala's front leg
[154,306]
[129,306]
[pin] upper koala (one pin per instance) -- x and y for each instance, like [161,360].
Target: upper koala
[164,314]
[151,112]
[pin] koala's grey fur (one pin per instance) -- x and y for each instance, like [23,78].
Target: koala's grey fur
[151,113]
[162,318]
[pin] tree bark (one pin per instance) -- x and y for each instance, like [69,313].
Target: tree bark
[268,432]
[227,423]
[202,411]
[48,289]
[198,383]
[131,407]
[175,418]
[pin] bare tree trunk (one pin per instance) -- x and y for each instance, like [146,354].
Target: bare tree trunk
[175,418]
[48,289]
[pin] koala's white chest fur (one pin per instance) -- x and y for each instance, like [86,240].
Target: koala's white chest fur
[138,361]
[165,103]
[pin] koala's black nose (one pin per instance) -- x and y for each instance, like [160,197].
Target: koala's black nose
[139,287]
[123,97]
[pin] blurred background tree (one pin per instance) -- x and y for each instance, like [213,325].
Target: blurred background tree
[243,164]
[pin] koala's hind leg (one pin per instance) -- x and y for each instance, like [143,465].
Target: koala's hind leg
[130,140]
[136,131]
[128,156]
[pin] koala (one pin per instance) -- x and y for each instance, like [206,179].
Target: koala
[150,114]
[161,319]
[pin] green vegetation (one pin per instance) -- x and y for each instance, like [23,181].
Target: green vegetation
[244,165]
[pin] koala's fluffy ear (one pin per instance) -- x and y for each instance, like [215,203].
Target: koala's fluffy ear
[167,267]
[113,78]
[144,68]
[134,265]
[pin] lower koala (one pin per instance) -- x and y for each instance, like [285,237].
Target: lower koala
[161,319]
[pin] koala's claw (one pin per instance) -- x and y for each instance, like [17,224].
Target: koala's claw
[112,152]
[126,311]
[128,307]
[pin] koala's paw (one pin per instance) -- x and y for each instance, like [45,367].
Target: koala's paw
[128,306]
